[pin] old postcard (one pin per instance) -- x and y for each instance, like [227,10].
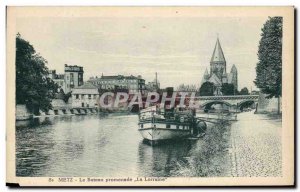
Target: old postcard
[150,96]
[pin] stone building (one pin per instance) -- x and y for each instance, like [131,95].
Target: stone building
[59,79]
[119,82]
[86,95]
[218,74]
[72,77]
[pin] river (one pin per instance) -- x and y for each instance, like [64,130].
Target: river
[110,146]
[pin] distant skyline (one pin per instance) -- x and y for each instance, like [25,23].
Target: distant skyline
[178,49]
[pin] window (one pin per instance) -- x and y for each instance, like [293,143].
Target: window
[77,96]
[90,96]
[168,126]
[142,126]
[177,126]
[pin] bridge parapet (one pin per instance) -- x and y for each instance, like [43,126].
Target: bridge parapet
[232,100]
[230,97]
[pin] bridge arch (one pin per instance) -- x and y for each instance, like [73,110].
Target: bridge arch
[239,105]
[214,102]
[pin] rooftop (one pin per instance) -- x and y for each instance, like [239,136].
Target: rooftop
[218,55]
[87,85]
[86,88]
[116,77]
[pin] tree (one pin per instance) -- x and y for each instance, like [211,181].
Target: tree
[33,86]
[227,89]
[269,66]
[244,91]
[207,89]
[67,96]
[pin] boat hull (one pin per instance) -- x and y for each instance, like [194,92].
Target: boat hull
[158,134]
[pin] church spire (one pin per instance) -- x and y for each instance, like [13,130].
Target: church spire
[218,55]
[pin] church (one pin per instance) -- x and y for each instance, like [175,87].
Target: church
[218,74]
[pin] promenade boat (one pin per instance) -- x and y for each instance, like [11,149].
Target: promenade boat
[158,124]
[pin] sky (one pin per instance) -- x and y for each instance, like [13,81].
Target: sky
[178,49]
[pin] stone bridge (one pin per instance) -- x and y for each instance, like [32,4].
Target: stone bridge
[231,101]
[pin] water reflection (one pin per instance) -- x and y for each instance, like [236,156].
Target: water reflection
[77,146]
[160,160]
[94,146]
[31,160]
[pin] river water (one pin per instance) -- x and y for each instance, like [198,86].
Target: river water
[110,146]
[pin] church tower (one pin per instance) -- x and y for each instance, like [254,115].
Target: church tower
[218,62]
[218,75]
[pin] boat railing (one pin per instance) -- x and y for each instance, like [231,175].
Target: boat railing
[164,121]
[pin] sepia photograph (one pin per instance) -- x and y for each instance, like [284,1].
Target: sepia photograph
[150,96]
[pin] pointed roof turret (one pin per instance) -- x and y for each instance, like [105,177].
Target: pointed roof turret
[206,72]
[233,69]
[206,75]
[218,55]
[224,73]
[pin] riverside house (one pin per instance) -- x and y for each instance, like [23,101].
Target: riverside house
[85,96]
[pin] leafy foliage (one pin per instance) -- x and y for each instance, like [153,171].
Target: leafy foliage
[207,89]
[269,67]
[33,86]
[67,96]
[244,91]
[227,89]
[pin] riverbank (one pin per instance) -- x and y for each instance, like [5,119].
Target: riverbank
[210,158]
[271,115]
[275,116]
[237,149]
